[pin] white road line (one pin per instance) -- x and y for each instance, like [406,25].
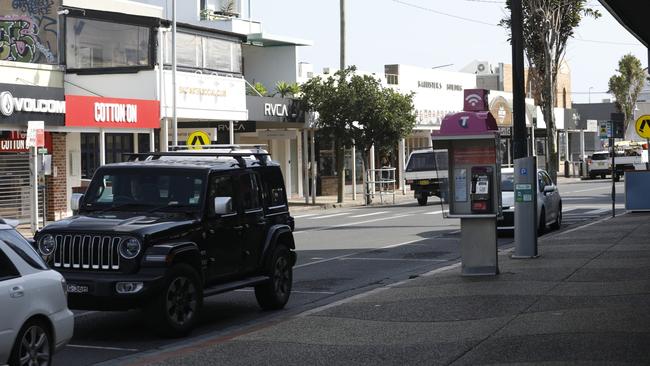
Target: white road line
[351,224]
[362,251]
[293,292]
[103,348]
[328,216]
[434,212]
[305,215]
[394,259]
[598,211]
[581,227]
[593,189]
[371,214]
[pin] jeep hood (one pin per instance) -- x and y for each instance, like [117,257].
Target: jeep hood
[120,223]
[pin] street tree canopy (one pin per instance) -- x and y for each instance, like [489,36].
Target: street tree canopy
[626,85]
[547,26]
[357,110]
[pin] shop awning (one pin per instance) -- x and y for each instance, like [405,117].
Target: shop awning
[272,40]
[633,15]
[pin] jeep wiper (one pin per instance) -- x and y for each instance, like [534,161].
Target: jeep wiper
[117,207]
[171,205]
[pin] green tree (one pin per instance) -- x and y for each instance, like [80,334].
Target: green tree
[257,89]
[547,26]
[626,85]
[285,89]
[356,109]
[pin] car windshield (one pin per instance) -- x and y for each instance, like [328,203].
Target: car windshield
[144,189]
[427,161]
[507,182]
[600,157]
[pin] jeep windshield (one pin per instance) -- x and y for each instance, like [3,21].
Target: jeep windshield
[145,189]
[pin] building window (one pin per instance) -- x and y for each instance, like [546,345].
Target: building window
[117,144]
[89,154]
[143,142]
[204,53]
[392,79]
[96,44]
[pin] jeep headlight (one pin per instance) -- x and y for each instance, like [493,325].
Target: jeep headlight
[130,248]
[46,245]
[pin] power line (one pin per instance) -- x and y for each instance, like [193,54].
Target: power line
[445,14]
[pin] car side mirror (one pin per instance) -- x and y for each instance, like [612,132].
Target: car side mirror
[75,201]
[549,189]
[223,205]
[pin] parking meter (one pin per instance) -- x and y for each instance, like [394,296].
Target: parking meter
[471,142]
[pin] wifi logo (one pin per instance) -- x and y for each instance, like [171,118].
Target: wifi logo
[473,99]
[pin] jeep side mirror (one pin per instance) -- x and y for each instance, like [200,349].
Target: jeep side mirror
[75,201]
[223,205]
[549,189]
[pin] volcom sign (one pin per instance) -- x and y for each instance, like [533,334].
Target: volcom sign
[10,104]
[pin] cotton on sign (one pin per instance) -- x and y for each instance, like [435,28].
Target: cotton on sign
[114,112]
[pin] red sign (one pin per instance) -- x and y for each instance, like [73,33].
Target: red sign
[83,111]
[15,141]
[475,155]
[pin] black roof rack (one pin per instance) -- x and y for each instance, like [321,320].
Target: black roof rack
[239,156]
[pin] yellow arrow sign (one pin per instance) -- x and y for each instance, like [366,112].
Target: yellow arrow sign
[642,126]
[196,140]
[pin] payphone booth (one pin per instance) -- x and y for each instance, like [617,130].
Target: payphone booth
[471,139]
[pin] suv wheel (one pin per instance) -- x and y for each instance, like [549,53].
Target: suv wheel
[541,227]
[274,294]
[558,219]
[176,309]
[33,345]
[422,201]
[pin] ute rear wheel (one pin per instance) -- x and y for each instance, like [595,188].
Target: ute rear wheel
[274,294]
[175,311]
[422,201]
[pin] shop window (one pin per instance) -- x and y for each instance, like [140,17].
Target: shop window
[96,44]
[89,154]
[204,53]
[143,142]
[117,144]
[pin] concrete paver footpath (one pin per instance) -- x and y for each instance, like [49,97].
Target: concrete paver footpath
[586,300]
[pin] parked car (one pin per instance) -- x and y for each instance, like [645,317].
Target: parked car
[549,202]
[35,321]
[599,164]
[163,230]
[426,172]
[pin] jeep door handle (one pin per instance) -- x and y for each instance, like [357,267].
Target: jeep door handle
[261,223]
[238,228]
[16,292]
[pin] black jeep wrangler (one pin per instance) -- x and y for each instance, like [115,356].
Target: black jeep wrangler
[163,230]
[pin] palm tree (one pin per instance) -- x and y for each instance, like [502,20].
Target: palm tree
[285,89]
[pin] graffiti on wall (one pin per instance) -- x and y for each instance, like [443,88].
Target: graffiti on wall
[28,31]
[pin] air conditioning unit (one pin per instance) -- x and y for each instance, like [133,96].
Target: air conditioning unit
[326,70]
[483,68]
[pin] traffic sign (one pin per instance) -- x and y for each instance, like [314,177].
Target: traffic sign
[604,129]
[642,126]
[197,140]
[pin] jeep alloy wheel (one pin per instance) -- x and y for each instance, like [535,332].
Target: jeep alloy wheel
[181,301]
[275,293]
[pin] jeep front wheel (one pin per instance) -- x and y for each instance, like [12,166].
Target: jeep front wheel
[274,294]
[176,309]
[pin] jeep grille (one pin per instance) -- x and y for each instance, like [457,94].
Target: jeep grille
[81,251]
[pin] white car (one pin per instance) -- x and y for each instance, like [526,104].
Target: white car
[549,202]
[35,320]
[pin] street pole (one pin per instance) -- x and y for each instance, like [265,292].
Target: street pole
[525,174]
[174,115]
[612,151]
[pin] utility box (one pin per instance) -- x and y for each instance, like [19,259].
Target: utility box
[471,141]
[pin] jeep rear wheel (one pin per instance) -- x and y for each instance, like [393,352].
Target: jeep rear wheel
[274,294]
[176,309]
[422,200]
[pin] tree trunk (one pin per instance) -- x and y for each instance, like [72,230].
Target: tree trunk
[364,166]
[340,171]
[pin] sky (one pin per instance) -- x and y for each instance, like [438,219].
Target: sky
[431,33]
